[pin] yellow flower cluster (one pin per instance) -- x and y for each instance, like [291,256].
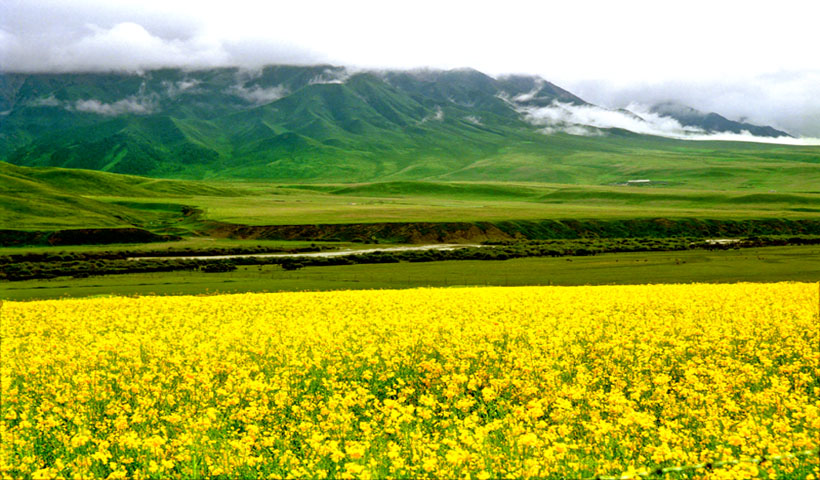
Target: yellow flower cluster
[426,383]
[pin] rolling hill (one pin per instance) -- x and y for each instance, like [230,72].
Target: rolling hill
[32,198]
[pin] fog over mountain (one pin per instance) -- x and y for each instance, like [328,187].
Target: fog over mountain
[787,100]
[750,63]
[325,122]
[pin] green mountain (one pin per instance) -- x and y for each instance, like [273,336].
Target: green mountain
[326,124]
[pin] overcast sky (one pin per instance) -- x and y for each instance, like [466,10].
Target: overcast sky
[756,61]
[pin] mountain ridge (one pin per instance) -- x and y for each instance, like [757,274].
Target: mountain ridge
[304,123]
[713,122]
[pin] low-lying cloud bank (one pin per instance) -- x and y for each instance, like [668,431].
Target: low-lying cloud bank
[438,116]
[136,104]
[337,76]
[748,137]
[760,68]
[258,95]
[143,103]
[786,100]
[175,89]
[592,120]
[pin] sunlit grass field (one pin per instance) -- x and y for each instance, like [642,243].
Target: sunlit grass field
[551,382]
[265,204]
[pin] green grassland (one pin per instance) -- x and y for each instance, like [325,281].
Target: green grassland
[464,201]
[767,264]
[514,175]
[51,198]
[54,198]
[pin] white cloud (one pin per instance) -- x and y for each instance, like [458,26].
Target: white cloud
[592,120]
[559,115]
[331,76]
[258,95]
[578,130]
[123,46]
[644,40]
[255,94]
[786,100]
[174,89]
[526,97]
[129,46]
[50,101]
[139,104]
[438,116]
[127,105]
[473,119]
[745,136]
[752,58]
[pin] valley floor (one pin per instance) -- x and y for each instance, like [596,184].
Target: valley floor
[75,206]
[767,264]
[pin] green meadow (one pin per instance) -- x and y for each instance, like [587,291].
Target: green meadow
[463,201]
[563,178]
[86,199]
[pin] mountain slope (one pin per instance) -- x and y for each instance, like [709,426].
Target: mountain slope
[712,122]
[33,198]
[293,123]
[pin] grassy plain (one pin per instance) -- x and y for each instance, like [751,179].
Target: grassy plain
[453,202]
[34,198]
[766,264]
[54,198]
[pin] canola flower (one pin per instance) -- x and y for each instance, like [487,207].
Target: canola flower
[427,383]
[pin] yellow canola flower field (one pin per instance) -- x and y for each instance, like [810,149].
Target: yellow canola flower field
[427,383]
